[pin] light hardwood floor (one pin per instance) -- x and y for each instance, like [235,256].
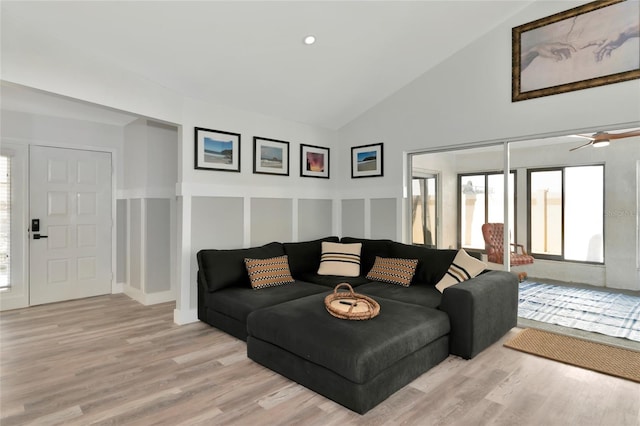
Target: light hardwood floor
[110,360]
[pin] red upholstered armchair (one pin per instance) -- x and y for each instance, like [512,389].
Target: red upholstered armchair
[493,234]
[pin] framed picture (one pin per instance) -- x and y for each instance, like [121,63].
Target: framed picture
[591,45]
[314,161]
[270,156]
[366,161]
[217,150]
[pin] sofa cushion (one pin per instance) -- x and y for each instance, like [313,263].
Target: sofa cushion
[333,280]
[340,259]
[393,270]
[370,249]
[304,257]
[432,263]
[238,303]
[423,295]
[225,268]
[462,268]
[268,272]
[356,350]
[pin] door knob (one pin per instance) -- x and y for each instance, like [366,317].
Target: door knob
[38,236]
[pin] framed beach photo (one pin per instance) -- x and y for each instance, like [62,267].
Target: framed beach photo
[591,45]
[217,150]
[314,161]
[367,161]
[270,156]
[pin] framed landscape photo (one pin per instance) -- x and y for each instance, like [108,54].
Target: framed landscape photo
[588,46]
[314,161]
[217,150]
[270,156]
[367,161]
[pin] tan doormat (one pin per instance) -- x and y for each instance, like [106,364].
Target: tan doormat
[606,359]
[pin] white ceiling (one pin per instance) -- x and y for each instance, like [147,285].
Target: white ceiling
[250,55]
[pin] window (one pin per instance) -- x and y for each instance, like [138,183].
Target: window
[423,211]
[5,222]
[480,201]
[566,213]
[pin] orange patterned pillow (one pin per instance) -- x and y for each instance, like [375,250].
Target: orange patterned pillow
[392,270]
[268,272]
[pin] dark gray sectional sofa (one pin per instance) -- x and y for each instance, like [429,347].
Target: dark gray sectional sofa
[356,363]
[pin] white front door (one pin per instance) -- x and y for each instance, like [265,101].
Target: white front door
[70,197]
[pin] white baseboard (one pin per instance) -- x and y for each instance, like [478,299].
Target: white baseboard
[117,288]
[185,316]
[148,298]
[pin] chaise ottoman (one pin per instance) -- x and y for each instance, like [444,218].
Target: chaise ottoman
[355,363]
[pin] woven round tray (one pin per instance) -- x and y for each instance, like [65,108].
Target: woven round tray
[350,305]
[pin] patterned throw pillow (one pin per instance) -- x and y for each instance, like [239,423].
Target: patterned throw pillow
[393,271]
[340,259]
[463,267]
[268,272]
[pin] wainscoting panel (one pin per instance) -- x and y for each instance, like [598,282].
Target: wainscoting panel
[135,243]
[353,218]
[271,220]
[217,222]
[158,245]
[384,219]
[314,219]
[121,241]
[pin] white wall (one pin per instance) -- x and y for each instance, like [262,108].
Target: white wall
[42,130]
[148,189]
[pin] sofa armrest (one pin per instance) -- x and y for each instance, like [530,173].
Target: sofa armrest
[481,310]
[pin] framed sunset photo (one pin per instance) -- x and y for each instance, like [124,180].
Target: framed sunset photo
[314,161]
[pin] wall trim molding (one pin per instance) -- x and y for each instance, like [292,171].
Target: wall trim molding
[157,192]
[185,316]
[191,189]
[149,298]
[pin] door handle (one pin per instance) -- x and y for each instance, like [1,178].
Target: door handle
[38,236]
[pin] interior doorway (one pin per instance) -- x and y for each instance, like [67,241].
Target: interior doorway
[57,239]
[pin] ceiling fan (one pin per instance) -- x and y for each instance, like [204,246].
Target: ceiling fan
[600,139]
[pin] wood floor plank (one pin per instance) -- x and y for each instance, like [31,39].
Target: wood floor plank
[109,360]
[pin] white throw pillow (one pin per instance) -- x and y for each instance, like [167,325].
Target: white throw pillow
[463,267]
[340,259]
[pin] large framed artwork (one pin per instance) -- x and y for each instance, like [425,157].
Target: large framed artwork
[270,156]
[217,150]
[367,161]
[314,161]
[591,45]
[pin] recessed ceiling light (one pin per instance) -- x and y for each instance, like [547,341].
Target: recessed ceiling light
[309,40]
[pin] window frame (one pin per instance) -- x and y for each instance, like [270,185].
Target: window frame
[486,175]
[561,258]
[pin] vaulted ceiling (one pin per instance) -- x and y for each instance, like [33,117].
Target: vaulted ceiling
[251,55]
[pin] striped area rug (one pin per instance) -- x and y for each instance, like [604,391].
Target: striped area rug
[613,314]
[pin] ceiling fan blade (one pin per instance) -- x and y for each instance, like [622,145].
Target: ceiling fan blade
[582,136]
[620,135]
[581,146]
